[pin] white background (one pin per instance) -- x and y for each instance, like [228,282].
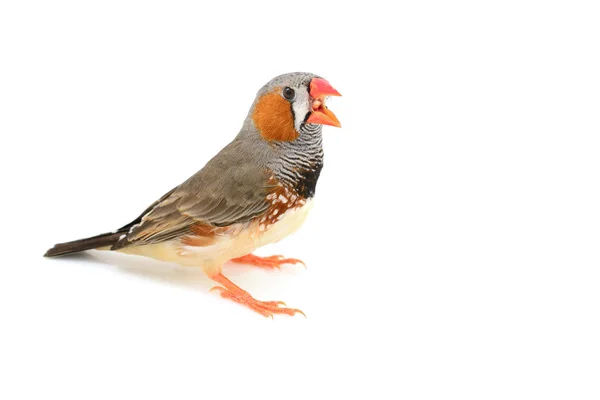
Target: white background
[453,251]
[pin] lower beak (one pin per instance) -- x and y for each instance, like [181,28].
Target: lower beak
[319,89]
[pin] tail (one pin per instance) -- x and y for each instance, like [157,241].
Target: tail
[106,239]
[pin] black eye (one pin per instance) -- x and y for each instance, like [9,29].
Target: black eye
[289,94]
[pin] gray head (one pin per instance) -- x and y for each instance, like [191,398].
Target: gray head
[284,106]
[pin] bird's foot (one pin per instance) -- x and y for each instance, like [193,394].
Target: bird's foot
[229,290]
[270,262]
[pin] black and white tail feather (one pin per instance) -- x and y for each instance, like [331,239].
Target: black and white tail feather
[112,240]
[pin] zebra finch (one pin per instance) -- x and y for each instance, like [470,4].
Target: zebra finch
[257,190]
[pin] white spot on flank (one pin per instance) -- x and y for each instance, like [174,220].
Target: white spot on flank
[282,199]
[261,227]
[275,211]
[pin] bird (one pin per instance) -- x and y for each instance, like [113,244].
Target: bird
[256,191]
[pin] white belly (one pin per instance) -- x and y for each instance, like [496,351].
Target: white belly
[225,247]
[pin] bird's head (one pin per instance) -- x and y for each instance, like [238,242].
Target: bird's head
[285,105]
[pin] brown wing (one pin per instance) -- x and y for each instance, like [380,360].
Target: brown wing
[230,189]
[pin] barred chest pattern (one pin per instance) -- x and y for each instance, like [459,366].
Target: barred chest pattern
[300,162]
[295,175]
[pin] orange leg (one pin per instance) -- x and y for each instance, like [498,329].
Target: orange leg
[267,262]
[230,290]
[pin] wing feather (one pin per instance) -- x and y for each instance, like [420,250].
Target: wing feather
[221,194]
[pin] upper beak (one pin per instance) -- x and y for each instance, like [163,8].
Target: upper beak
[319,88]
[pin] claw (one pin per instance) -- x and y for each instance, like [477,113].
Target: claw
[270,262]
[266,308]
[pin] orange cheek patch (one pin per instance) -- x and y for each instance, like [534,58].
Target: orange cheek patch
[274,119]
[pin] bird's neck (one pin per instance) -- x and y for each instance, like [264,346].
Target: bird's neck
[299,162]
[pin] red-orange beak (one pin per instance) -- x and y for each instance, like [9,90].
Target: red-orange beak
[319,88]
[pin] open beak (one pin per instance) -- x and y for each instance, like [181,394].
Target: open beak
[319,89]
